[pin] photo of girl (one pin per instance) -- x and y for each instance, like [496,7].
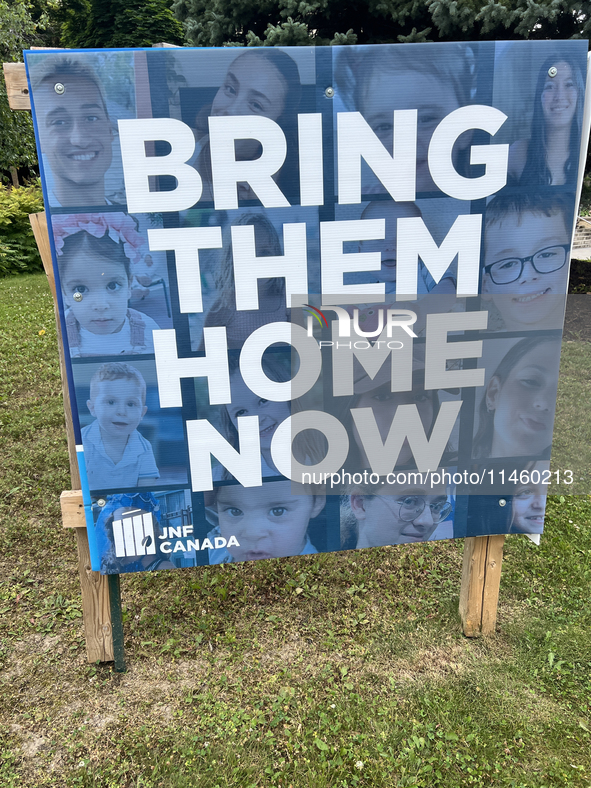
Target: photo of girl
[516,411]
[263,82]
[95,255]
[270,521]
[374,520]
[272,301]
[377,80]
[529,502]
[551,154]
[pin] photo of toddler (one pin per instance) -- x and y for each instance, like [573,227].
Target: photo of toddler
[94,256]
[116,455]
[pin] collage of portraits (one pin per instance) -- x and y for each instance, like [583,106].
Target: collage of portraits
[116,291]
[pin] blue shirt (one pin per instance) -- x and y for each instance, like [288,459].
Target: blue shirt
[103,474]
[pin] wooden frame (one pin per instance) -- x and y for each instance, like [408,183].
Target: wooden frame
[483,555]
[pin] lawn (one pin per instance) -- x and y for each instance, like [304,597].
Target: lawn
[341,670]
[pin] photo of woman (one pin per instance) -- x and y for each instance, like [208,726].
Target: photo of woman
[550,156]
[516,411]
[264,82]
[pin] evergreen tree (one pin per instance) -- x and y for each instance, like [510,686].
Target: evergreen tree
[300,22]
[118,23]
[17,141]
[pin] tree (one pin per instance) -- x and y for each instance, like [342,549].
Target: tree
[118,23]
[17,141]
[305,22]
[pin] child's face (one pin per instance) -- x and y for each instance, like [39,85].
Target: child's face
[245,403]
[105,291]
[75,132]
[117,406]
[524,405]
[391,212]
[432,96]
[529,506]
[559,98]
[384,519]
[267,521]
[527,301]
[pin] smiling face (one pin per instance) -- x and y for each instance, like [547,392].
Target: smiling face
[252,86]
[384,404]
[559,98]
[105,291]
[383,519]
[246,403]
[76,138]
[432,96]
[118,406]
[533,299]
[524,404]
[391,212]
[529,506]
[267,521]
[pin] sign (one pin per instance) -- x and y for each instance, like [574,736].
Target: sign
[312,298]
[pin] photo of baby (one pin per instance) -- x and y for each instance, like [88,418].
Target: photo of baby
[128,441]
[102,265]
[270,521]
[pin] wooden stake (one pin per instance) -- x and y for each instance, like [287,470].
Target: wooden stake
[481,578]
[95,587]
[17,88]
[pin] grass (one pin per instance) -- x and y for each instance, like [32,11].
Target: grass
[329,670]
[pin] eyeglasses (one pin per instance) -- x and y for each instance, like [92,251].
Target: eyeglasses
[547,260]
[413,506]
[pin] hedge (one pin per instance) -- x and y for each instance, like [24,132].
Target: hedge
[18,250]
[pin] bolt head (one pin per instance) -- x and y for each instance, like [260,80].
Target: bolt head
[77,296]
[552,71]
[502,502]
[101,502]
[59,88]
[329,92]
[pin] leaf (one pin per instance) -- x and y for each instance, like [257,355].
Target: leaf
[322,746]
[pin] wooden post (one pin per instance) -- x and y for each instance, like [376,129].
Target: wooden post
[17,88]
[95,587]
[481,577]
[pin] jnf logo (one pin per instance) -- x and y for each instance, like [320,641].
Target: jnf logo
[134,534]
[372,318]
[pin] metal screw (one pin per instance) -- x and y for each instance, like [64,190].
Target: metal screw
[101,502]
[59,88]
[329,92]
[77,296]
[502,502]
[552,71]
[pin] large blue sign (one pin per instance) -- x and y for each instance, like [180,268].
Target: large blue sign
[312,298]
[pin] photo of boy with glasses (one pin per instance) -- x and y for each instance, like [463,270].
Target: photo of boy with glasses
[526,254]
[374,520]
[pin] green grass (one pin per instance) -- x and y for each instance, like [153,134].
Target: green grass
[328,670]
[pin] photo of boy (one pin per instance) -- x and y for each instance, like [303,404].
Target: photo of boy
[115,453]
[270,521]
[526,255]
[94,253]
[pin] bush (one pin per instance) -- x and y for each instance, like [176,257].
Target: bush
[18,250]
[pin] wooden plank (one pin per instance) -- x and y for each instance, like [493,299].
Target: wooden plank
[17,88]
[72,509]
[481,577]
[163,45]
[95,588]
[490,595]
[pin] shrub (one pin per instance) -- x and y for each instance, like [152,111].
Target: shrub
[18,250]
